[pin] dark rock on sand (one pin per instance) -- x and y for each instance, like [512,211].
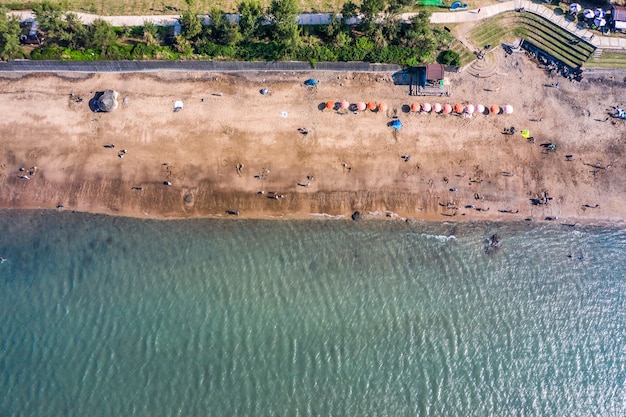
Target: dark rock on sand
[357,216]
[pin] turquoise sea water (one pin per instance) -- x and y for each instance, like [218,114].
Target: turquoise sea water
[103,316]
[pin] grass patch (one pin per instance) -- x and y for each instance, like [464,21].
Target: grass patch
[608,60]
[147,7]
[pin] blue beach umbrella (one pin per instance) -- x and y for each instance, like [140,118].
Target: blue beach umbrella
[396,124]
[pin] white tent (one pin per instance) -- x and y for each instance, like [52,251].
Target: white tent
[178,105]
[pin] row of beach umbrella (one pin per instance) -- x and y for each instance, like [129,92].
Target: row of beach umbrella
[423,107]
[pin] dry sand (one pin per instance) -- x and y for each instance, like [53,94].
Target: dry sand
[198,149]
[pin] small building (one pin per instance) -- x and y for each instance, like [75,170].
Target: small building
[428,80]
[107,101]
[617,18]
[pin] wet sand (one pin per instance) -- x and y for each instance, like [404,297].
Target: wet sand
[228,134]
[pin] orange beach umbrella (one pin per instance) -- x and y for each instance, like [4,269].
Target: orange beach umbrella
[458,108]
[371,106]
[494,109]
[382,107]
[415,107]
[330,105]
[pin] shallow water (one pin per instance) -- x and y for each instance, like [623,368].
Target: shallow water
[104,316]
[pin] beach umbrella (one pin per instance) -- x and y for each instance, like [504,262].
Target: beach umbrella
[344,104]
[396,124]
[382,107]
[437,108]
[458,108]
[598,21]
[330,105]
[371,106]
[575,8]
[447,109]
[480,108]
[589,14]
[469,109]
[508,109]
[494,109]
[360,106]
[526,133]
[599,12]
[415,107]
[426,107]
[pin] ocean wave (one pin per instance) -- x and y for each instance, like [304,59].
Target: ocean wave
[441,238]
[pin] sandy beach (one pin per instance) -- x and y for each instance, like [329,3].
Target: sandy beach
[230,148]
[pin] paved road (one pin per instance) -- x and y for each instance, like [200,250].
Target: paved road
[603,42]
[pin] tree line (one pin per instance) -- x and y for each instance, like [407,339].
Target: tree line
[261,34]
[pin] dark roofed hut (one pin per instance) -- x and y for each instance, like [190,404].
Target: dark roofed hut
[107,101]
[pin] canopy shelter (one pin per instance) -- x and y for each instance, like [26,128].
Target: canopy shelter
[396,124]
[458,108]
[447,109]
[480,108]
[426,107]
[415,107]
[494,109]
[469,109]
[371,106]
[107,101]
[382,107]
[330,105]
[588,13]
[508,109]
[575,8]
[360,106]
[178,105]
[437,108]
[311,82]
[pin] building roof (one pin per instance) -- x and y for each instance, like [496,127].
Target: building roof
[107,101]
[434,72]
[619,13]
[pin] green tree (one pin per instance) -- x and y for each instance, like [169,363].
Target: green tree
[191,26]
[74,32]
[50,17]
[9,36]
[223,31]
[150,34]
[284,27]
[251,18]
[102,38]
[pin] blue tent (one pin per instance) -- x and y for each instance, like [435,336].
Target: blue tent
[311,82]
[396,124]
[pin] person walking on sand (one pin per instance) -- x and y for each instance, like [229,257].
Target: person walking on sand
[478,11]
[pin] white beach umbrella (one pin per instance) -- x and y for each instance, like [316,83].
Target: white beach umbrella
[426,107]
[508,109]
[437,108]
[598,21]
[599,12]
[588,13]
[480,108]
[469,109]
[575,8]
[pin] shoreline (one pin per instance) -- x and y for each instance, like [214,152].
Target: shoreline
[230,143]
